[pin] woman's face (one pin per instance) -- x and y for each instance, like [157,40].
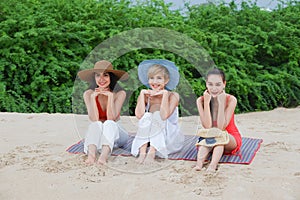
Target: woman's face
[102,79]
[157,82]
[215,85]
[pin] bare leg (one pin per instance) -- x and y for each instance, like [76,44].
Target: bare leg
[231,145]
[104,155]
[91,154]
[142,154]
[216,156]
[201,156]
[150,156]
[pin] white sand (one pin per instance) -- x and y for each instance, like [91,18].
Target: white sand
[35,165]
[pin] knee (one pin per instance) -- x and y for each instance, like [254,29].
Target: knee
[110,124]
[95,125]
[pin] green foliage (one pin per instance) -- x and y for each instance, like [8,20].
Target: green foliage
[45,42]
[258,49]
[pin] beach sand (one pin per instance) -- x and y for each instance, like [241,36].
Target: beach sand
[34,163]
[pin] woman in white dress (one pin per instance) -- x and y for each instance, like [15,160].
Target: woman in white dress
[157,111]
[103,102]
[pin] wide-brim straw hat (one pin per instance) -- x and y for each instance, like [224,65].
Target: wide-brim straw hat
[99,67]
[212,137]
[171,67]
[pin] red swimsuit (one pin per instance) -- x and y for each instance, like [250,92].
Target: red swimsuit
[102,114]
[232,130]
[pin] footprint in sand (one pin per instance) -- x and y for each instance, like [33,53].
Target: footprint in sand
[59,163]
[212,184]
[274,146]
[8,159]
[40,157]
[180,173]
[92,173]
[297,174]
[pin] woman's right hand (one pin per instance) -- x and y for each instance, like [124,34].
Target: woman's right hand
[95,94]
[207,96]
[145,92]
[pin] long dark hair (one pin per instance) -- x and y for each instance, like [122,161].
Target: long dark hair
[113,86]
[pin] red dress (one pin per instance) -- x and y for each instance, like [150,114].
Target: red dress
[232,130]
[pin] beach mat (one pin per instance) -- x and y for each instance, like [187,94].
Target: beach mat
[189,151]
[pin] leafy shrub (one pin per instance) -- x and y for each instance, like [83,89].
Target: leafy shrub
[45,42]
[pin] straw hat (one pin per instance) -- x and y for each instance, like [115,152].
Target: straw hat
[171,67]
[212,137]
[101,66]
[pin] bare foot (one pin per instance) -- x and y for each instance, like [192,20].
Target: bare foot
[199,164]
[141,158]
[104,155]
[101,161]
[212,168]
[91,154]
[91,159]
[150,158]
[198,168]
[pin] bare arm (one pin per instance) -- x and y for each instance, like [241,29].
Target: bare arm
[140,105]
[114,104]
[225,114]
[204,110]
[89,97]
[169,102]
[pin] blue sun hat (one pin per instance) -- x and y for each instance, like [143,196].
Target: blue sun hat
[171,67]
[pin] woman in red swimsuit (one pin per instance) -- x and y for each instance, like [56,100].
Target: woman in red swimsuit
[216,109]
[103,103]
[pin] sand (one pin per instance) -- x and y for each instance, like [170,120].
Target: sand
[35,165]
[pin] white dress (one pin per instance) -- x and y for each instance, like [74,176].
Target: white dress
[164,135]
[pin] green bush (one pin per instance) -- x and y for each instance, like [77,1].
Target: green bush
[45,42]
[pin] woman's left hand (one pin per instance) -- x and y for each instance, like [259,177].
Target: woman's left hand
[107,93]
[221,97]
[161,92]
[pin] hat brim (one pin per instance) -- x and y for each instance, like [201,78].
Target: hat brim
[89,74]
[217,141]
[209,132]
[173,72]
[212,137]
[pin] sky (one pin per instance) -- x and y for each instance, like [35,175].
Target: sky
[261,3]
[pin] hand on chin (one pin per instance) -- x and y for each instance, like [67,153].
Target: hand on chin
[156,92]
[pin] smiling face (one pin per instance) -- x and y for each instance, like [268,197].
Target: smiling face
[215,84]
[102,79]
[158,77]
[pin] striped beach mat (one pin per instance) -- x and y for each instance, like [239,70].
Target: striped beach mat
[189,151]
